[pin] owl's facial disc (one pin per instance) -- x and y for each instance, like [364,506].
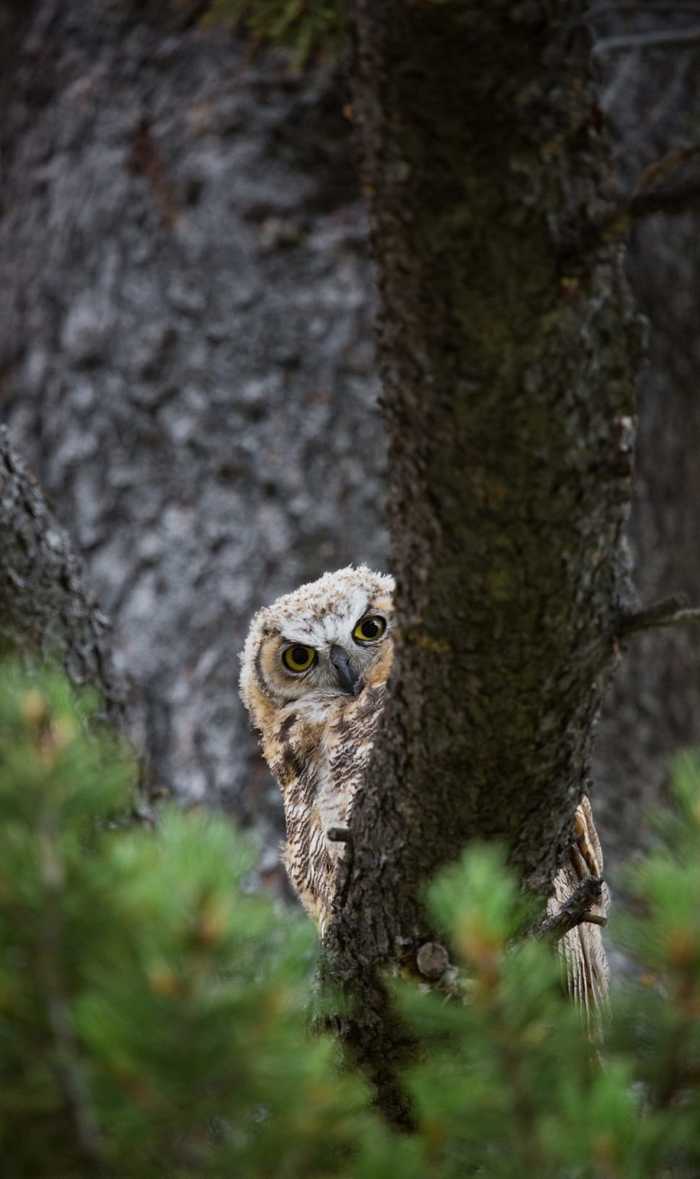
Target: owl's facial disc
[299,659]
[326,656]
[287,655]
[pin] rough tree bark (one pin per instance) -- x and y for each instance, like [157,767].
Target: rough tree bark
[186,354]
[504,347]
[45,605]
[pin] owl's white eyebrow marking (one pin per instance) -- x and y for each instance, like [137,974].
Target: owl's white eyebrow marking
[299,634]
[330,626]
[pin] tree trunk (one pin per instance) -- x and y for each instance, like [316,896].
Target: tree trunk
[507,394]
[45,605]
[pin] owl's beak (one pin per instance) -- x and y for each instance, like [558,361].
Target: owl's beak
[349,679]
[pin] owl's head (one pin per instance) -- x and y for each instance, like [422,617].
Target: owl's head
[323,640]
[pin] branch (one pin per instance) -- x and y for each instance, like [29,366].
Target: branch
[602,11]
[667,612]
[575,911]
[682,198]
[45,605]
[647,200]
[655,40]
[339,835]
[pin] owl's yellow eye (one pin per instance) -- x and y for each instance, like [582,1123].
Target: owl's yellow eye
[369,629]
[298,658]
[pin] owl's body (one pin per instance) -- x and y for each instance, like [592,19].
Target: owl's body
[313,677]
[317,725]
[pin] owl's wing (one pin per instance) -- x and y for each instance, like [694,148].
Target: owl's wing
[582,947]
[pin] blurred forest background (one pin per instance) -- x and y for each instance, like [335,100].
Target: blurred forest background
[186,359]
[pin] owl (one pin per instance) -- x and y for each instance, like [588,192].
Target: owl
[313,677]
[314,671]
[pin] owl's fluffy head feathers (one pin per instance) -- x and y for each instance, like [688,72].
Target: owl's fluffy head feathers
[320,616]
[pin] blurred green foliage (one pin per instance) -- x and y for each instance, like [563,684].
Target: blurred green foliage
[154,1009]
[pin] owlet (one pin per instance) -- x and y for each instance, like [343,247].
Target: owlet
[314,671]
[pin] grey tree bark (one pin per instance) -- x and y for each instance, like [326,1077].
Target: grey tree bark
[186,349]
[506,333]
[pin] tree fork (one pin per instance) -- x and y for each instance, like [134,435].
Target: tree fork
[509,406]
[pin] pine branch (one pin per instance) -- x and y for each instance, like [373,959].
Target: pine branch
[68,1065]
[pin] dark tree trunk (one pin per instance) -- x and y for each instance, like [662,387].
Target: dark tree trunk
[507,394]
[45,605]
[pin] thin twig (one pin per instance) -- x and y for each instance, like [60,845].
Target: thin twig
[602,11]
[667,612]
[650,197]
[575,911]
[681,198]
[625,41]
